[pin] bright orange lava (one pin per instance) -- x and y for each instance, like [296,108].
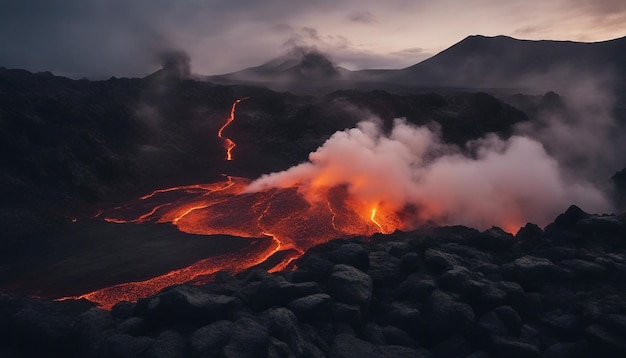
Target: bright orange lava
[229,145]
[373,218]
[295,223]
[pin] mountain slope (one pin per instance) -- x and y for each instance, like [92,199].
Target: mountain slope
[479,61]
[304,65]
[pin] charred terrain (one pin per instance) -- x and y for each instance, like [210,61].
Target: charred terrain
[133,222]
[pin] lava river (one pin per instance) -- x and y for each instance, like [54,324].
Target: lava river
[294,221]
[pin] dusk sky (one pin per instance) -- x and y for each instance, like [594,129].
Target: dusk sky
[101,38]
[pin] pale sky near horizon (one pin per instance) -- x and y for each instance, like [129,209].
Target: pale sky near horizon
[99,38]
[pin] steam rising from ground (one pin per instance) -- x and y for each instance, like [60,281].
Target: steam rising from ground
[506,183]
[580,130]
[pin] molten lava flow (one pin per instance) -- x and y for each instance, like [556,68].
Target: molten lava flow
[373,218]
[229,145]
[294,221]
[255,253]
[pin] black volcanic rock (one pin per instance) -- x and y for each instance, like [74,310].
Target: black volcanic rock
[248,339]
[350,285]
[446,315]
[557,298]
[351,254]
[274,290]
[186,303]
[494,239]
[311,308]
[570,218]
[210,339]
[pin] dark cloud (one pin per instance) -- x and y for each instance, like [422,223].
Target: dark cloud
[364,17]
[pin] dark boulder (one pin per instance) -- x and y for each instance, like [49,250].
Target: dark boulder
[490,296]
[473,258]
[275,291]
[90,329]
[567,325]
[169,344]
[535,270]
[209,340]
[583,269]
[188,304]
[416,287]
[570,218]
[510,318]
[410,263]
[445,316]
[489,327]
[123,345]
[312,268]
[404,316]
[350,285]
[579,349]
[134,326]
[396,336]
[311,308]
[455,346]
[493,239]
[283,324]
[606,341]
[460,280]
[439,261]
[122,310]
[347,346]
[510,347]
[530,235]
[249,339]
[351,254]
[346,313]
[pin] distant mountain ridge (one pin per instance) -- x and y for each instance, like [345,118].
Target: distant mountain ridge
[475,62]
[301,65]
[501,60]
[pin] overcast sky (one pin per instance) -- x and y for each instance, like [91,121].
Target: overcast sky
[100,38]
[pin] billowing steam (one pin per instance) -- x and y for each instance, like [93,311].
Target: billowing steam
[410,170]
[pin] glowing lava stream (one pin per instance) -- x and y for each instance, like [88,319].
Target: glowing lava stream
[196,273]
[294,222]
[228,143]
[373,218]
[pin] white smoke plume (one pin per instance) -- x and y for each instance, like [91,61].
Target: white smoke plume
[584,136]
[505,183]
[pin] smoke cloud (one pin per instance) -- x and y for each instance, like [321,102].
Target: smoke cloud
[491,181]
[176,62]
[578,128]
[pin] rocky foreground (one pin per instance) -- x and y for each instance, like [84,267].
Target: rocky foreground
[445,292]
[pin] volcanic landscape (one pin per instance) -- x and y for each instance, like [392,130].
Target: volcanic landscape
[469,205]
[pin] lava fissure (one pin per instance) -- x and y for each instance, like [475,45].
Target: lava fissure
[229,144]
[332,220]
[373,218]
